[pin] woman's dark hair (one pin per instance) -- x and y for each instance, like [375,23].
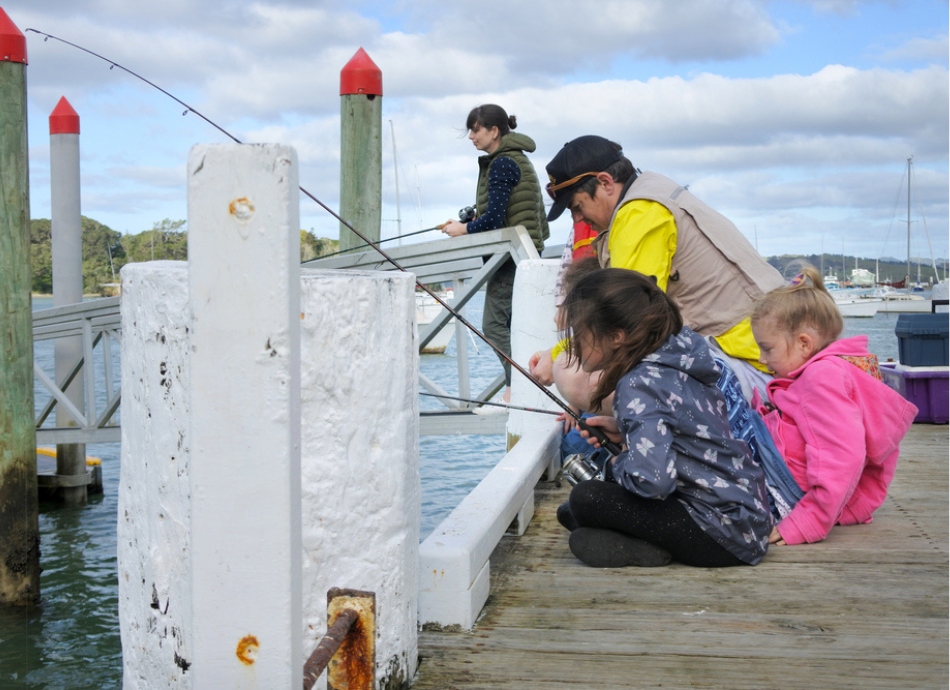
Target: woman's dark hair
[491,115]
[616,299]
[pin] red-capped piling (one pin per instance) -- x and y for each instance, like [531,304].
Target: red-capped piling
[66,230]
[12,41]
[361,158]
[64,119]
[19,508]
[361,76]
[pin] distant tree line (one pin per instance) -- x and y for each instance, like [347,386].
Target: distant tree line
[105,251]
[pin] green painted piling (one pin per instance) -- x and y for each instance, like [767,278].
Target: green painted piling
[19,514]
[361,162]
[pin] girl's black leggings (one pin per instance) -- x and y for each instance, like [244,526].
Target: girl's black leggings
[665,523]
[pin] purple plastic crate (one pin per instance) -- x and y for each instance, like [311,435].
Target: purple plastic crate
[926,387]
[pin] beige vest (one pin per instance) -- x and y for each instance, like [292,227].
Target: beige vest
[717,275]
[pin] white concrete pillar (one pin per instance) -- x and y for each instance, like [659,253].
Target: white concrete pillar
[532,329]
[153,532]
[360,455]
[205,561]
[360,474]
[244,286]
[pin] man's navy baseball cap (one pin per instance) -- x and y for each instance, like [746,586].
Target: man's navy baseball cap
[575,162]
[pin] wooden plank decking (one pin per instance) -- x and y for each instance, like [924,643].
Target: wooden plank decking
[865,608]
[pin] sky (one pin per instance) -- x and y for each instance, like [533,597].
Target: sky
[794,118]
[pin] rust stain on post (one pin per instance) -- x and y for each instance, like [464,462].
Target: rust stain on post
[353,667]
[242,208]
[247,650]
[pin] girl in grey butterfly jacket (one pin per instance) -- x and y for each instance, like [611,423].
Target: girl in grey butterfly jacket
[682,488]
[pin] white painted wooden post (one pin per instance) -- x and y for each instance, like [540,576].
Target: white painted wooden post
[244,284]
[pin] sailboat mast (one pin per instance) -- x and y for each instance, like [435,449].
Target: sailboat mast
[392,132]
[907,272]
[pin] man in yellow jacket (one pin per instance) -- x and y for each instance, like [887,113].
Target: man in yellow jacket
[651,224]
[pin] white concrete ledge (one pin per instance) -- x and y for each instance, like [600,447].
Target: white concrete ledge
[454,559]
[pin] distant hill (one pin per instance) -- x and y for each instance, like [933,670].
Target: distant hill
[888,269]
[105,251]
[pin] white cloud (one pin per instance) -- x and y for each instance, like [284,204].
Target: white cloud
[791,147]
[916,49]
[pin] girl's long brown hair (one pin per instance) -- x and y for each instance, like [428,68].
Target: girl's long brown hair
[616,299]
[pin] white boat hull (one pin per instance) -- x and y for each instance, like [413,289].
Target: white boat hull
[906,306]
[426,310]
[896,302]
[863,308]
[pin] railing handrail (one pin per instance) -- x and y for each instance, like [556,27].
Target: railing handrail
[58,322]
[454,558]
[95,322]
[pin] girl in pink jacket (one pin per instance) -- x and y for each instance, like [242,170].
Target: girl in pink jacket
[834,421]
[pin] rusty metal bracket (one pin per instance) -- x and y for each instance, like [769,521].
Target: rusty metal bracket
[348,650]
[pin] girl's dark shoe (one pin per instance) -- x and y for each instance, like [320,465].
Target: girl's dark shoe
[566,517]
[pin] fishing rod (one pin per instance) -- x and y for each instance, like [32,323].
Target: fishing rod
[465,215]
[376,244]
[594,431]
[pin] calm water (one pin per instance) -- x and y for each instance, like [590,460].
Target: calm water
[71,640]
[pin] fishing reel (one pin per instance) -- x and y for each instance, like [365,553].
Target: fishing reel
[467,214]
[579,468]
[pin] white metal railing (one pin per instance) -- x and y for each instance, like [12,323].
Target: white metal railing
[454,559]
[468,262]
[97,323]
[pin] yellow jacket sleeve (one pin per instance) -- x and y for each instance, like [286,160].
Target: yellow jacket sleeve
[643,238]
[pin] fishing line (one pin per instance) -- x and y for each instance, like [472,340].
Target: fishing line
[612,447]
[485,402]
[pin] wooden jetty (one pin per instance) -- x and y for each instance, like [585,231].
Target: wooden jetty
[865,608]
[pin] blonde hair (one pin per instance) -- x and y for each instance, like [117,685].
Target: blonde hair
[802,305]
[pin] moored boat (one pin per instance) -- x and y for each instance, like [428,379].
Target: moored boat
[897,302]
[427,309]
[856,306]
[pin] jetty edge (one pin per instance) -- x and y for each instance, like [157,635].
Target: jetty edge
[867,607]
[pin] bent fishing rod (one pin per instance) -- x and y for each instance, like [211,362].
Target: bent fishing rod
[594,431]
[465,215]
[379,242]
